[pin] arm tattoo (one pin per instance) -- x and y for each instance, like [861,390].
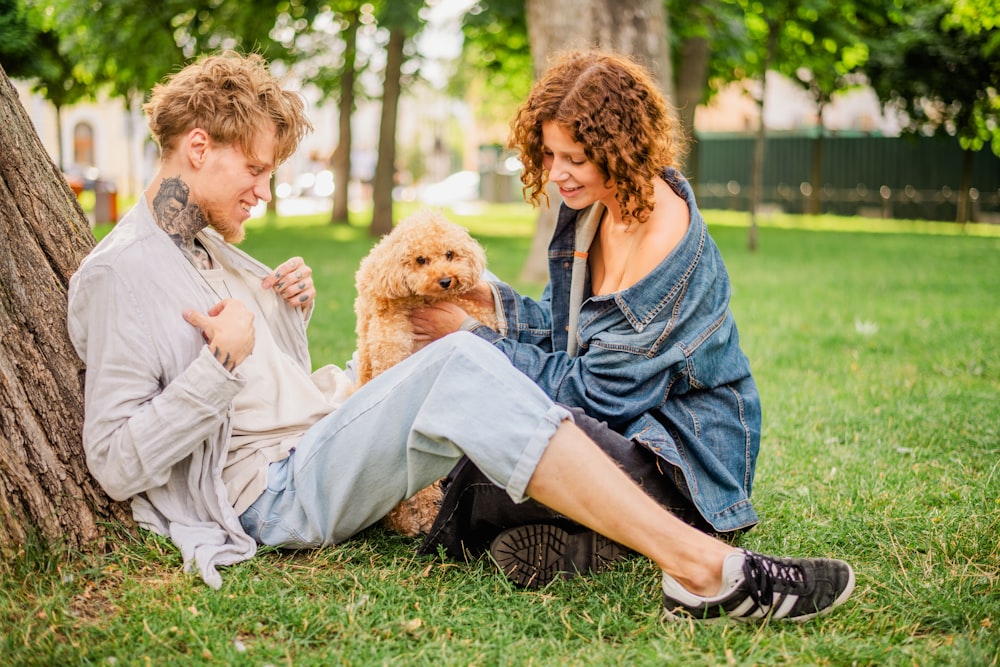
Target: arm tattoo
[227,362]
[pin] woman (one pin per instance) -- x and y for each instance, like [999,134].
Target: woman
[634,327]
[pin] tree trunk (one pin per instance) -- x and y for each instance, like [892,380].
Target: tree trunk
[385,167]
[962,214]
[46,490]
[757,191]
[814,205]
[757,174]
[635,27]
[340,161]
[815,201]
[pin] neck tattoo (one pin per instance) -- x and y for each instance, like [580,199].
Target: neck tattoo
[181,219]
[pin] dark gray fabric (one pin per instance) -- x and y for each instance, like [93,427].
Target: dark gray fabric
[474,510]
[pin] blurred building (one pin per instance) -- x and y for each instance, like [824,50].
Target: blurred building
[788,108]
[437,136]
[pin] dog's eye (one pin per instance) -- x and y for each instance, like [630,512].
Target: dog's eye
[450,255]
[421,260]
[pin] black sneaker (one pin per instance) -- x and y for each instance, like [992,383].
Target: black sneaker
[535,554]
[759,587]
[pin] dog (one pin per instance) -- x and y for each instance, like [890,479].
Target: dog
[425,259]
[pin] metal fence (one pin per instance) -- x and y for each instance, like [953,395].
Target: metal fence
[874,176]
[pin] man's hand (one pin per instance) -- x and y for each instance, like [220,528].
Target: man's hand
[293,281]
[228,330]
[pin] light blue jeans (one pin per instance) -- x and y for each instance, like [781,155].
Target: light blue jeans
[403,430]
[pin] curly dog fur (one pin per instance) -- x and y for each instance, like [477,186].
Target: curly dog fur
[425,259]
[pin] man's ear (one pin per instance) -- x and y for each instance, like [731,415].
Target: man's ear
[196,146]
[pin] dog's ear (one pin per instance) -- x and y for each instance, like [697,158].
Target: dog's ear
[468,248]
[391,281]
[478,256]
[363,276]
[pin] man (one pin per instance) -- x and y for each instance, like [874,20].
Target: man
[201,408]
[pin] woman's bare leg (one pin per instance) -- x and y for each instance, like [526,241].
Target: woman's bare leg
[574,477]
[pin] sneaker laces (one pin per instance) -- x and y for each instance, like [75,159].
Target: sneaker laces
[761,572]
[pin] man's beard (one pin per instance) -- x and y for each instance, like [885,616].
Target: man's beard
[231,232]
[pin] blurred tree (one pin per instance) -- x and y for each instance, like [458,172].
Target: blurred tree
[129,45]
[763,28]
[812,42]
[402,20]
[707,38]
[126,46]
[29,50]
[18,35]
[635,27]
[340,161]
[821,50]
[936,62]
[324,54]
[494,71]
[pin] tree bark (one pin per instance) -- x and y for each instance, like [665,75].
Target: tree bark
[962,213]
[634,27]
[757,191]
[385,167]
[340,161]
[815,200]
[46,491]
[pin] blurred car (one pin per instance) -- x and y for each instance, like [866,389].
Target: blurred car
[82,178]
[460,187]
[307,184]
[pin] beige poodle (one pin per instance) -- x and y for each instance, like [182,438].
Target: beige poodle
[424,259]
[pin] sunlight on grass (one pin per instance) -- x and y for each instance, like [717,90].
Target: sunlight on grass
[518,219]
[836,223]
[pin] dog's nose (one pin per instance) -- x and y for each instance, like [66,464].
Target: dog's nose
[445,282]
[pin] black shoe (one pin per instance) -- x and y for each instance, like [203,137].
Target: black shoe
[760,587]
[534,554]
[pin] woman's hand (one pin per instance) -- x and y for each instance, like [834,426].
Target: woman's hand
[436,321]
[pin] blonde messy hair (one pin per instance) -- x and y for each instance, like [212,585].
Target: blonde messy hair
[232,97]
[611,105]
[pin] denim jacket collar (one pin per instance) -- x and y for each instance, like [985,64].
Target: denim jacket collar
[643,301]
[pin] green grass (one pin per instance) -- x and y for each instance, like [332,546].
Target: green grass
[877,359]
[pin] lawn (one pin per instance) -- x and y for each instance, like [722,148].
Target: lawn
[876,352]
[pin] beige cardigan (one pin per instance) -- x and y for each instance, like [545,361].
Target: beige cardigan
[157,404]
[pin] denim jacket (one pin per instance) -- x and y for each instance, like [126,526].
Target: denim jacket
[660,362]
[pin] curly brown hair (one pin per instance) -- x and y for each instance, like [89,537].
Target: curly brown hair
[232,97]
[612,105]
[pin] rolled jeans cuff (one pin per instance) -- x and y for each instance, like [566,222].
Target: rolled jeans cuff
[517,484]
